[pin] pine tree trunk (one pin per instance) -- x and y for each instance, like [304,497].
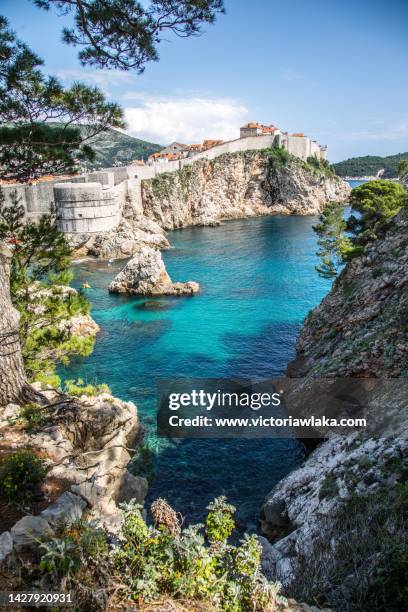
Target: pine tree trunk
[12,375]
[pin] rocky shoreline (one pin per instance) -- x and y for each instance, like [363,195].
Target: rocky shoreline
[145,274]
[232,186]
[357,331]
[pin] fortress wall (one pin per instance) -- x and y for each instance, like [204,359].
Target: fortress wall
[124,182]
[315,150]
[298,146]
[86,208]
[240,144]
[36,199]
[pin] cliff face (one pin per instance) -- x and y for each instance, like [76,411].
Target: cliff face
[360,328]
[322,518]
[238,185]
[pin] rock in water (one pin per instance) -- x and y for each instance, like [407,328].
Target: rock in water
[146,274]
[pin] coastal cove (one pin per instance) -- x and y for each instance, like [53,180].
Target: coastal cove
[258,282]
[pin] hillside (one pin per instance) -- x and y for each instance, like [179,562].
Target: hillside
[370,165]
[116,148]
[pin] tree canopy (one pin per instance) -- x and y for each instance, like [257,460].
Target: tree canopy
[124,34]
[39,277]
[31,144]
[370,165]
[372,206]
[403,169]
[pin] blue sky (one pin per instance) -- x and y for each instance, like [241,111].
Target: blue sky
[334,69]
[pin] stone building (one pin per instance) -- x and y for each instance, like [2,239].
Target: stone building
[297,144]
[258,129]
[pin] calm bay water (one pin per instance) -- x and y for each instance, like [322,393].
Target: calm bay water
[257,282]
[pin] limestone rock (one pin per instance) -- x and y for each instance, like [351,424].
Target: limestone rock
[80,326]
[133,487]
[346,334]
[121,242]
[68,507]
[238,185]
[6,545]
[145,274]
[28,530]
[356,334]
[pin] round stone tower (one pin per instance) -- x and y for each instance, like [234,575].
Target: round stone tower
[85,208]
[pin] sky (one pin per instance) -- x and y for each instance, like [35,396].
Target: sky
[333,69]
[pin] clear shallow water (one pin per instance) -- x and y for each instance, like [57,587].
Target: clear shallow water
[257,282]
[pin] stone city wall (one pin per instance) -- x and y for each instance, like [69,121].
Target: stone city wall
[107,190]
[85,207]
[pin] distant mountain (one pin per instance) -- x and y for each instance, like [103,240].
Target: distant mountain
[370,165]
[115,148]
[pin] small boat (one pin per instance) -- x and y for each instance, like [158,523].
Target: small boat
[86,286]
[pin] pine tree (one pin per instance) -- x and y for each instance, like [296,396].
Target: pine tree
[39,274]
[124,34]
[12,374]
[44,128]
[372,205]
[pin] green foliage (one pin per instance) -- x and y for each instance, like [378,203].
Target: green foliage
[61,557]
[124,34]
[32,416]
[329,487]
[370,165]
[322,165]
[155,561]
[31,145]
[278,156]
[38,248]
[330,229]
[371,542]
[373,205]
[47,379]
[21,474]
[79,387]
[219,523]
[403,169]
[39,273]
[375,202]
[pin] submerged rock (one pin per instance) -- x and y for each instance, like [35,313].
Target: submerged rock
[146,274]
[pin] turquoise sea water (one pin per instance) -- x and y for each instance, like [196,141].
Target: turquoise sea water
[257,282]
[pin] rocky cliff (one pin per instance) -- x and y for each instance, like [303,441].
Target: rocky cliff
[335,524]
[145,274]
[85,443]
[241,184]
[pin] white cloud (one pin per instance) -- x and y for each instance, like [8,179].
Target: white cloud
[101,78]
[186,119]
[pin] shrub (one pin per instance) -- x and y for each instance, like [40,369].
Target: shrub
[329,487]
[165,560]
[219,523]
[74,548]
[32,416]
[21,474]
[79,387]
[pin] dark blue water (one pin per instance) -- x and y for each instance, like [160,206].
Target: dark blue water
[257,282]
